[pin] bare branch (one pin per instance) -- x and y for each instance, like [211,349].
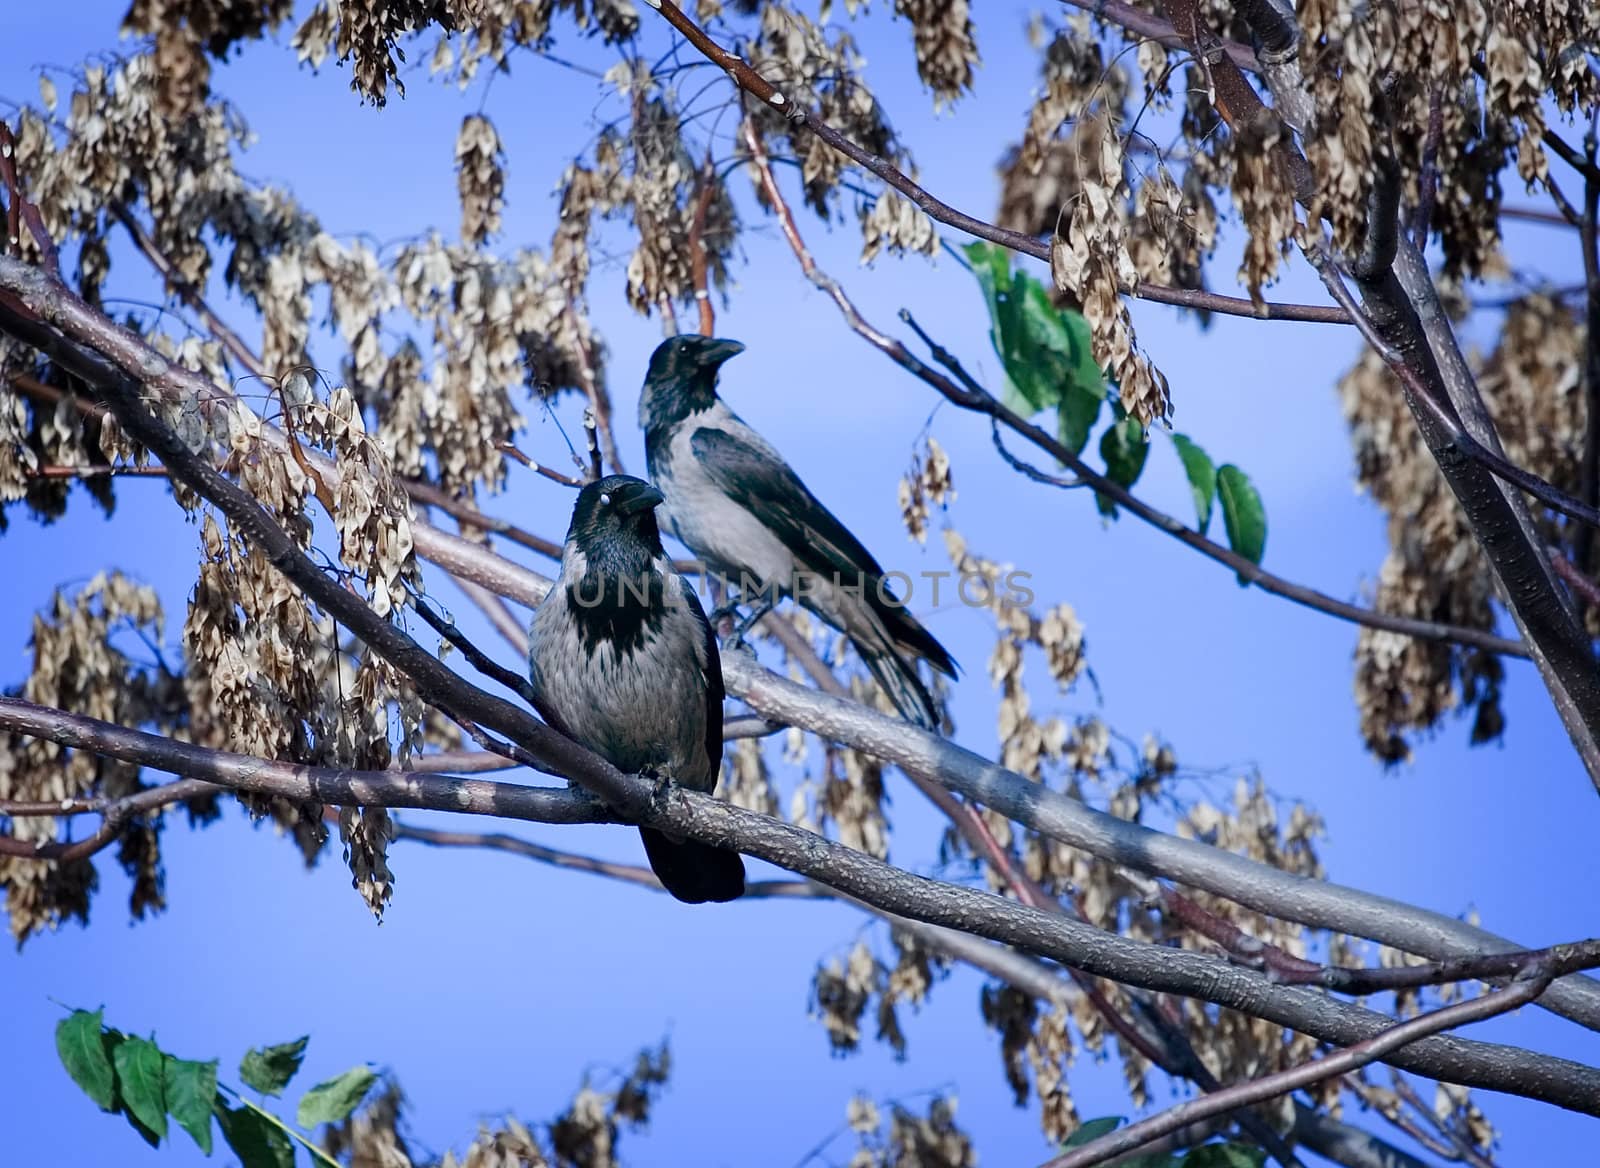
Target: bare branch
[1419,344]
[549,472]
[115,815]
[1422,218]
[1339,1142]
[20,210]
[188,293]
[697,247]
[753,83]
[985,403]
[1558,959]
[1314,903]
[1318,1071]
[572,861]
[1580,584]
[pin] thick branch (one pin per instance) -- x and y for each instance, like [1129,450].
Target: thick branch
[708,820]
[1329,1137]
[165,379]
[1314,903]
[1295,1078]
[1404,309]
[1266,889]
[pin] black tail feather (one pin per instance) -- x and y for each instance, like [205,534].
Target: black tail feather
[693,872]
[899,680]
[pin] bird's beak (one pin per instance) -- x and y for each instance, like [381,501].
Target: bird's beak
[640,498]
[719,351]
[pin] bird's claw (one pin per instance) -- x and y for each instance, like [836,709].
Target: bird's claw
[661,787]
[736,637]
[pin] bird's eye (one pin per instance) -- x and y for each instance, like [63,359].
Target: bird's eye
[605,498]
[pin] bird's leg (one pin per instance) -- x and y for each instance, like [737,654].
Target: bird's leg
[662,786]
[752,618]
[749,621]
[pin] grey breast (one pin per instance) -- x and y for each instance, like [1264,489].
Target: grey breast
[634,709]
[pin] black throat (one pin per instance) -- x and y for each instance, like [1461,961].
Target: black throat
[621,597]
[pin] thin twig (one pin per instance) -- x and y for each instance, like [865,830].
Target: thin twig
[20,210]
[1308,1074]
[753,83]
[509,449]
[1428,181]
[1576,580]
[697,247]
[188,293]
[983,402]
[462,512]
[1559,959]
[91,472]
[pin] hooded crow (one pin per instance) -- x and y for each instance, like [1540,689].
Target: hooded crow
[625,662]
[736,504]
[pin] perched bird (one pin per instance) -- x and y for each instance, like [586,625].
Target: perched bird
[625,662]
[736,504]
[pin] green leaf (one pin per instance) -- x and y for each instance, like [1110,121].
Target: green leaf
[190,1088]
[269,1070]
[332,1101]
[255,1139]
[1225,1156]
[81,1043]
[1046,353]
[140,1075]
[1075,417]
[1092,1129]
[1124,447]
[1202,479]
[1243,513]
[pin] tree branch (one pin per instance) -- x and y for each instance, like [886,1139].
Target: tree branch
[1313,903]
[1589,241]
[430,495]
[1295,1078]
[753,83]
[1404,311]
[984,403]
[709,820]
[1429,934]
[1331,1138]
[697,247]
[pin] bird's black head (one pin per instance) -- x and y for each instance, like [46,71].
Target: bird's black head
[614,514]
[682,379]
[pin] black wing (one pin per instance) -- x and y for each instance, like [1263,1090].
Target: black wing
[714,688]
[765,486]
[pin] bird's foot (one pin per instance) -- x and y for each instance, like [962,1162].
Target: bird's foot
[751,618]
[661,787]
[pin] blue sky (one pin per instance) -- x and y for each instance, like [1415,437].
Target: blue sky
[493,984]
